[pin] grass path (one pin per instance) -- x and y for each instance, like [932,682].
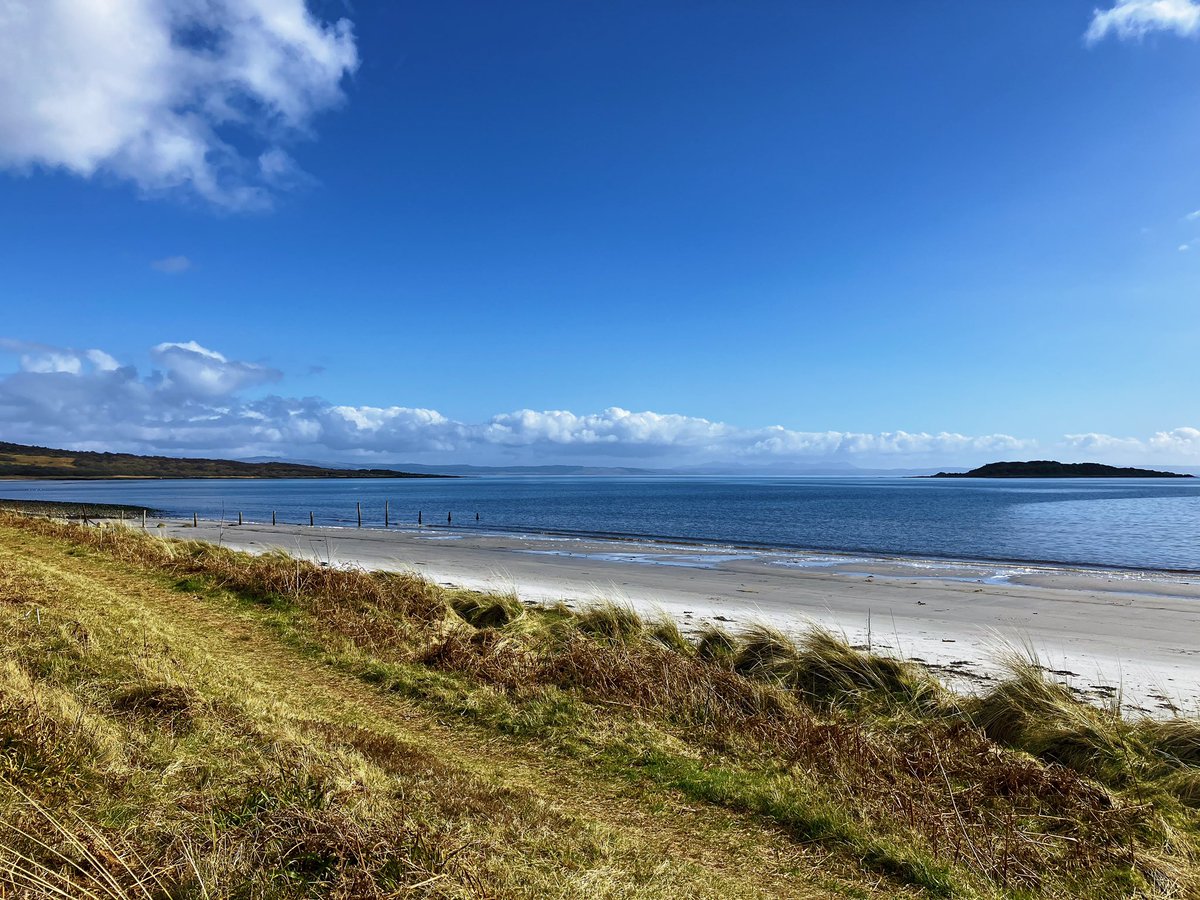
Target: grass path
[652,842]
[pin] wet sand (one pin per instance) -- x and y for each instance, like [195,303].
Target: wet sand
[1106,632]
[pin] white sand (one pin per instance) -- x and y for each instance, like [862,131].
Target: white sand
[1104,631]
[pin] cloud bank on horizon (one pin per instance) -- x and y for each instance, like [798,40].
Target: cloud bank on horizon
[168,94]
[193,402]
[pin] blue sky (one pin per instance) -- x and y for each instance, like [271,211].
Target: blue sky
[655,233]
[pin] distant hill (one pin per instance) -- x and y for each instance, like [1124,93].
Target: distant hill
[22,461]
[421,469]
[1047,468]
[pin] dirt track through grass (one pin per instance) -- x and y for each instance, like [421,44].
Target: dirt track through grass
[228,652]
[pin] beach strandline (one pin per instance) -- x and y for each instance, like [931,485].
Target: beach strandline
[1111,634]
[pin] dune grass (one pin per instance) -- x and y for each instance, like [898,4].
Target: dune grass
[776,765]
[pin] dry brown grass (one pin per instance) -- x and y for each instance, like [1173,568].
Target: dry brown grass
[1024,789]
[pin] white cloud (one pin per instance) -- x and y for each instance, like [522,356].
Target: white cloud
[43,359]
[1178,444]
[195,371]
[101,360]
[172,265]
[193,402]
[1137,18]
[158,92]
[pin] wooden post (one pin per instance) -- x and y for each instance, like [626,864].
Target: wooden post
[143,519]
[195,521]
[272,518]
[358,509]
[385,513]
[310,520]
[239,517]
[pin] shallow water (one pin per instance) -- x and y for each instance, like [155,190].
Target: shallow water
[1138,523]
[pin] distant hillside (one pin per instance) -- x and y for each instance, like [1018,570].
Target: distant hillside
[1047,468]
[21,461]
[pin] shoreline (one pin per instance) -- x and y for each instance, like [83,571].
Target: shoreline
[955,617]
[750,546]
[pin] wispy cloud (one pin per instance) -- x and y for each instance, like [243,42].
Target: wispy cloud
[171,265]
[1137,18]
[168,94]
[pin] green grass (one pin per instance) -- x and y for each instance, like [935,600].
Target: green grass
[257,725]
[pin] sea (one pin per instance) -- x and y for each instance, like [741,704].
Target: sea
[1146,524]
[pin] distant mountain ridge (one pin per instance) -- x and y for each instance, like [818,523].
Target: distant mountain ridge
[1048,468]
[466,469]
[24,461]
[774,470]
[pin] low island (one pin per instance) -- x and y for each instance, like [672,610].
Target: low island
[1048,468]
[24,461]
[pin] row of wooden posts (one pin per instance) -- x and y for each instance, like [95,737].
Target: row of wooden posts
[387,517]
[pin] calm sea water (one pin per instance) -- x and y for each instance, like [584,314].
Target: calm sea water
[1152,524]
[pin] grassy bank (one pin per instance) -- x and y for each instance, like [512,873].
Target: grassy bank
[65,510]
[181,720]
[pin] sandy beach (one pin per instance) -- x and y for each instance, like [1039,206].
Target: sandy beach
[1106,632]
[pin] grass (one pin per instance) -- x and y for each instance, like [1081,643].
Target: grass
[487,610]
[211,724]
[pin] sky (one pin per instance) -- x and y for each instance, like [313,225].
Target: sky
[752,235]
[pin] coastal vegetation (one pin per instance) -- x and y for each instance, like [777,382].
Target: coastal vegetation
[181,720]
[1048,468]
[23,461]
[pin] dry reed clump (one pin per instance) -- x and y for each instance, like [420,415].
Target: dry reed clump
[665,630]
[487,610]
[1029,712]
[1184,784]
[1176,741]
[671,686]
[768,655]
[487,654]
[610,621]
[169,705]
[825,669]
[340,855]
[717,646]
[832,670]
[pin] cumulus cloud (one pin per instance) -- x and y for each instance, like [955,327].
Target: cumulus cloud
[168,93]
[195,400]
[1166,446]
[1137,18]
[172,265]
[44,359]
[195,371]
